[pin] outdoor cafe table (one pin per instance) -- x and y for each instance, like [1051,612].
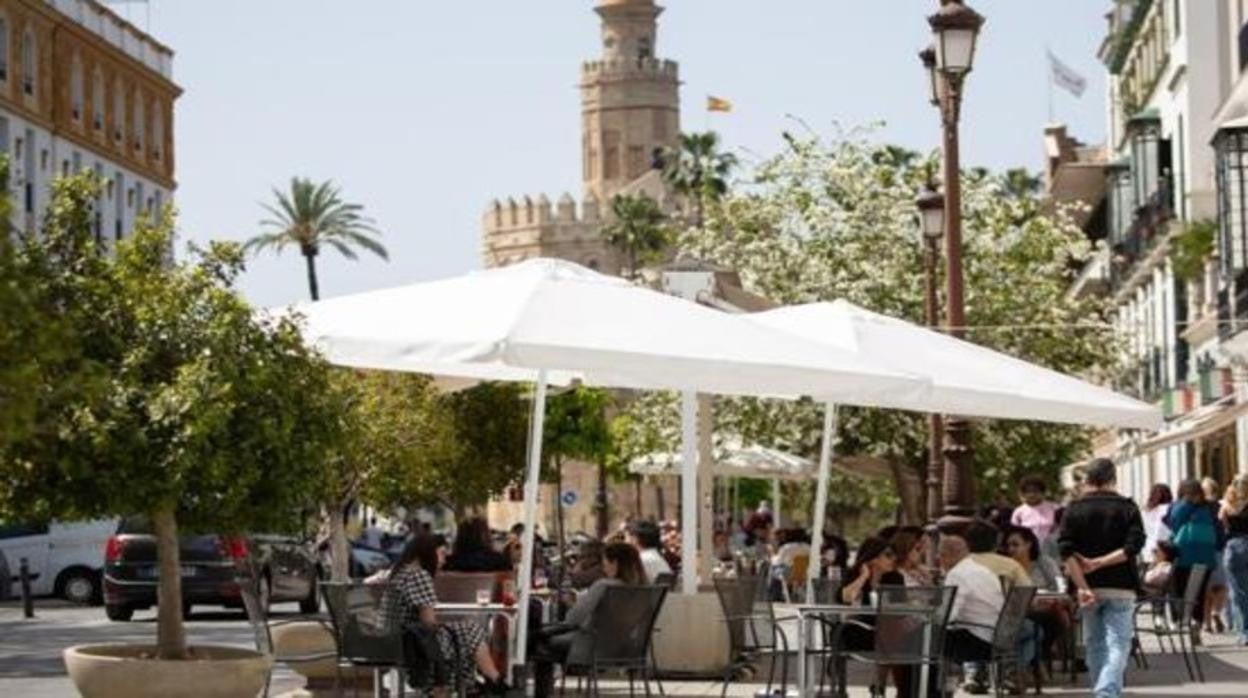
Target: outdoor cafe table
[803,614]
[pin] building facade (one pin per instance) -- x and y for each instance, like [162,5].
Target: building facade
[81,90]
[630,110]
[1152,193]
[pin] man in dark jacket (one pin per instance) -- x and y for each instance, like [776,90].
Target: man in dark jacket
[1101,535]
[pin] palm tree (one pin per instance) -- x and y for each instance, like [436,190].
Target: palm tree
[313,216]
[697,170]
[637,228]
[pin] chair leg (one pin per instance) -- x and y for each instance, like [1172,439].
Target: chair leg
[1183,650]
[727,680]
[1200,672]
[654,673]
[632,693]
[771,672]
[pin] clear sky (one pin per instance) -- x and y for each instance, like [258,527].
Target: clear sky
[423,111]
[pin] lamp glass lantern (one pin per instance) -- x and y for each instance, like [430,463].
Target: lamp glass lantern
[928,56]
[931,205]
[955,29]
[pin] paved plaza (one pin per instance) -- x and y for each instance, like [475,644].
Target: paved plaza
[31,667]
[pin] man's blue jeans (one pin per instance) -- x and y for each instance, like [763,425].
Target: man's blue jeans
[1107,630]
[1236,559]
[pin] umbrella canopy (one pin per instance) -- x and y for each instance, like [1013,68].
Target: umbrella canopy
[552,315]
[967,379]
[732,460]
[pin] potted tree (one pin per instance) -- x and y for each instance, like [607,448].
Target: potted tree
[166,396]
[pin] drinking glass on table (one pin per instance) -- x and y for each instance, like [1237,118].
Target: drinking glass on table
[483,597]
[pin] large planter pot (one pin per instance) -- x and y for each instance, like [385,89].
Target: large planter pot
[131,671]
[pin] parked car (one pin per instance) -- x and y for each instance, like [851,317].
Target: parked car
[210,566]
[65,557]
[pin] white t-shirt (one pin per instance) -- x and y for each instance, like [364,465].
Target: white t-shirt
[1155,531]
[979,599]
[653,561]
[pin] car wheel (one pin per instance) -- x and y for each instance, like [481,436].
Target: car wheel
[312,603]
[119,613]
[79,586]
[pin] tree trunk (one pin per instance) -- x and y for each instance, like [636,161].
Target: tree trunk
[310,258]
[604,515]
[170,631]
[637,496]
[661,509]
[908,491]
[339,548]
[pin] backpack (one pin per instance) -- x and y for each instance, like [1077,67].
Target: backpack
[422,656]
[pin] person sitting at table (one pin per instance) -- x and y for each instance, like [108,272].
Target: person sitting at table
[1051,615]
[1157,578]
[644,536]
[621,565]
[588,566]
[976,606]
[473,550]
[910,549]
[982,539]
[409,600]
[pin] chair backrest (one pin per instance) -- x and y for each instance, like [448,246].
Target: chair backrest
[910,627]
[827,590]
[1010,624]
[619,630]
[462,587]
[363,633]
[799,569]
[249,589]
[1195,583]
[665,579]
[737,596]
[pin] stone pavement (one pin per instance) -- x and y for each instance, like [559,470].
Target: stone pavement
[30,663]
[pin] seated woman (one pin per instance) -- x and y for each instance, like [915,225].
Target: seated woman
[910,550]
[588,566]
[1052,617]
[621,564]
[1157,578]
[409,600]
[1021,544]
[473,550]
[874,566]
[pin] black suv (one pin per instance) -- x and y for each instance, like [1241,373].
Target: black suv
[210,566]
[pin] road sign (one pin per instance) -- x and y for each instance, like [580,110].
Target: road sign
[568,498]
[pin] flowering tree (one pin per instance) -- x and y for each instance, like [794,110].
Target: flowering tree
[826,220]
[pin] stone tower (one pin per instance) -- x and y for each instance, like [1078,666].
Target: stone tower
[630,107]
[630,100]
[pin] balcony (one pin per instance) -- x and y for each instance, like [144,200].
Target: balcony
[1148,227]
[1233,315]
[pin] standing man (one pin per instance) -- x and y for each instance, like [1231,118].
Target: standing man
[1101,535]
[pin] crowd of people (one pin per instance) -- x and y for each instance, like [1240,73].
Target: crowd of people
[1096,548]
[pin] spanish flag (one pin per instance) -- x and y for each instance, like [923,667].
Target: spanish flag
[718,104]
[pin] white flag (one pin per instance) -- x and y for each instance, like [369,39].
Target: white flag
[1065,77]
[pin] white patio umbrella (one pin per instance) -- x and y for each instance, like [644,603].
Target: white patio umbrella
[545,319]
[732,460]
[967,379]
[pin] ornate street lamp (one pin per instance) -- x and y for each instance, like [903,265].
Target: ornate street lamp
[928,56]
[931,206]
[955,31]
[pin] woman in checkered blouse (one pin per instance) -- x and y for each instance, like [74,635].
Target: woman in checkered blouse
[410,598]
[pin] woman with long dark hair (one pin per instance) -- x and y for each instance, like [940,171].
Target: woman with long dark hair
[409,600]
[473,549]
[621,565]
[1155,510]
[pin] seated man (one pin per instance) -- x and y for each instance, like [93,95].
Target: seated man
[976,606]
[982,539]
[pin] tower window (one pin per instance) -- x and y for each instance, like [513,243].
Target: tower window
[645,48]
[76,87]
[119,110]
[97,99]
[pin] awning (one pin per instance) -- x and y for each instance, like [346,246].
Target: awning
[1197,424]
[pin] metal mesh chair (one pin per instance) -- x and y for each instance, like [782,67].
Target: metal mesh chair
[753,628]
[909,631]
[618,636]
[363,636]
[1006,633]
[262,629]
[1172,617]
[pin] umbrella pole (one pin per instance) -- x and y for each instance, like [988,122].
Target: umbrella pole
[775,501]
[689,493]
[821,501]
[525,581]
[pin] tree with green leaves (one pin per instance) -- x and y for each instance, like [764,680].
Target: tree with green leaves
[312,217]
[171,397]
[638,229]
[828,220]
[698,171]
[577,428]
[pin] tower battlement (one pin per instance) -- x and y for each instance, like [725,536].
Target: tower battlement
[502,216]
[629,68]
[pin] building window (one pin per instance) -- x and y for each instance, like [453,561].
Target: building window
[1231,148]
[119,110]
[97,99]
[158,130]
[4,49]
[138,120]
[611,155]
[1149,159]
[1121,193]
[75,88]
[1177,15]
[29,72]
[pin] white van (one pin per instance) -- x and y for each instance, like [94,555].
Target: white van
[67,556]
